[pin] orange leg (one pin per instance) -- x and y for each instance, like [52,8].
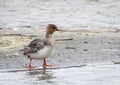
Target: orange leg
[45,64]
[30,64]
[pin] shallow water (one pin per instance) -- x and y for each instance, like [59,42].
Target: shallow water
[75,14]
[88,75]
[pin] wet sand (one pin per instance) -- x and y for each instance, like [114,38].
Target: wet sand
[86,47]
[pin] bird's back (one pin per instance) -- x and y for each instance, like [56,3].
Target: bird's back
[36,45]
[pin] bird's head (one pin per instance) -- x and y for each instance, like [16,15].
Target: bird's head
[51,28]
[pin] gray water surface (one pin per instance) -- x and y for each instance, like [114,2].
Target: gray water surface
[75,14]
[89,75]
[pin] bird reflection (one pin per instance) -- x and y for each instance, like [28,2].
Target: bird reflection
[41,74]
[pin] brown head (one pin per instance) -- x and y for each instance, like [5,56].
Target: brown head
[51,28]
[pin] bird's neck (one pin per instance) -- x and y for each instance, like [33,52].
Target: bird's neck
[48,35]
[48,39]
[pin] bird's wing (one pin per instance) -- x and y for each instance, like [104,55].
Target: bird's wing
[34,46]
[36,43]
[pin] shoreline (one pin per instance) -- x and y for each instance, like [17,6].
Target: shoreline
[83,48]
[10,38]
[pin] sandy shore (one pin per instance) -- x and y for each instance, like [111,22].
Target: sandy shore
[97,46]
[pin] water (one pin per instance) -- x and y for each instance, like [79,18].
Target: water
[89,75]
[74,14]
[67,14]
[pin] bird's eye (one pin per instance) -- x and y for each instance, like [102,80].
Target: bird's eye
[54,27]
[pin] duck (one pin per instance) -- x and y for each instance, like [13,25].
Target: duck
[41,49]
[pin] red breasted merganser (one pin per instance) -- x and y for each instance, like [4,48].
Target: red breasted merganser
[41,49]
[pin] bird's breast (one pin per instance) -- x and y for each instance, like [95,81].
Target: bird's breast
[43,53]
